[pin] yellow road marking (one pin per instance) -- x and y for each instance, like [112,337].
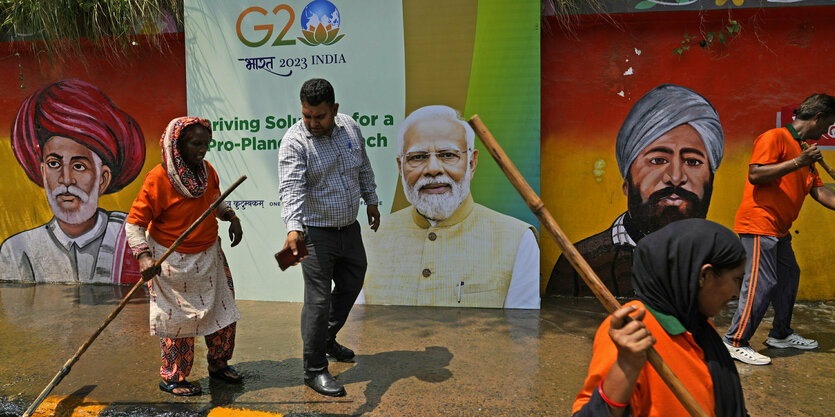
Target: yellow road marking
[235,412]
[64,406]
[68,406]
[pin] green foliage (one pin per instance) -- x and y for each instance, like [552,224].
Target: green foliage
[728,31]
[110,24]
[685,44]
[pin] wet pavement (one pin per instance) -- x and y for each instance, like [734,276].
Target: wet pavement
[410,361]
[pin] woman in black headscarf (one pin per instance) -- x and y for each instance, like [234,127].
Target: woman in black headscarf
[683,274]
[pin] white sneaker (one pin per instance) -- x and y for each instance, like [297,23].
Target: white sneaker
[748,355]
[794,340]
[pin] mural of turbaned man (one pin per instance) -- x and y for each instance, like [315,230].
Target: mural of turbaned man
[75,143]
[444,249]
[668,150]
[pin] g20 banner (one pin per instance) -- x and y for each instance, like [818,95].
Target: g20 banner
[435,60]
[245,64]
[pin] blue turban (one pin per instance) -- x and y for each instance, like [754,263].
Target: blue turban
[659,111]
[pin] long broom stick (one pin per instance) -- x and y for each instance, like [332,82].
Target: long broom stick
[67,366]
[609,302]
[821,162]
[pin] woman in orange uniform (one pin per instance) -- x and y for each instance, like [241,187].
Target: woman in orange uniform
[192,293]
[683,274]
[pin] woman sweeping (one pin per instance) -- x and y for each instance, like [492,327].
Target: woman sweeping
[191,293]
[682,274]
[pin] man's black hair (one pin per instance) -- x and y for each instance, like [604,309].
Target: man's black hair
[317,90]
[814,104]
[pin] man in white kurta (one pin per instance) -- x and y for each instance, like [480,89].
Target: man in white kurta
[475,258]
[445,249]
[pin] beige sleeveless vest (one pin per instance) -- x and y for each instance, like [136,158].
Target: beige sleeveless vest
[411,262]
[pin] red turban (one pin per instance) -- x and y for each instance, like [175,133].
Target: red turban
[78,110]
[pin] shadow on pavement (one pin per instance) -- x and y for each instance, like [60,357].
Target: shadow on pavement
[380,370]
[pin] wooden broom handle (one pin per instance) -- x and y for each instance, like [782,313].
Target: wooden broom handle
[822,163]
[577,261]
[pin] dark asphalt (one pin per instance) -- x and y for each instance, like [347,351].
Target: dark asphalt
[410,361]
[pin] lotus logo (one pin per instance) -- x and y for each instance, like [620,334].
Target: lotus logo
[320,24]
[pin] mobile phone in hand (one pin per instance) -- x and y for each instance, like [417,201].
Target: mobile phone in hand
[286,258]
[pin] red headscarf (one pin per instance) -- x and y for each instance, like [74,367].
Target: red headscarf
[80,111]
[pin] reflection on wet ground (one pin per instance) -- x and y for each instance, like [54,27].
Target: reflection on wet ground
[410,361]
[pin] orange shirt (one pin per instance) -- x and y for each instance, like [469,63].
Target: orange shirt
[651,396]
[167,213]
[770,208]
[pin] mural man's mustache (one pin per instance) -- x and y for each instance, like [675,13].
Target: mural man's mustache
[71,190]
[659,195]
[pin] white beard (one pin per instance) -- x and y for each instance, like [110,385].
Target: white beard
[89,203]
[437,207]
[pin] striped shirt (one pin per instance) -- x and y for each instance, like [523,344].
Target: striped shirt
[321,179]
[620,236]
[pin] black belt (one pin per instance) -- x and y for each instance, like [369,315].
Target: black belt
[338,228]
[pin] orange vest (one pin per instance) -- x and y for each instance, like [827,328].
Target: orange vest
[651,396]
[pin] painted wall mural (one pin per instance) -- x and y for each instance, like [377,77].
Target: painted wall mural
[771,63]
[667,150]
[70,139]
[75,153]
[593,102]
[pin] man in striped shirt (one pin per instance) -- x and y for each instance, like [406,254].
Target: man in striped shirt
[323,171]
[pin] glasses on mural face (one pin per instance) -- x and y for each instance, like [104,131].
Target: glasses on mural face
[448,157]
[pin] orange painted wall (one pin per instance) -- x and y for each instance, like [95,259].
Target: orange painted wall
[781,56]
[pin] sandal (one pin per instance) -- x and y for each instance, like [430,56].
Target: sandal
[228,374]
[170,386]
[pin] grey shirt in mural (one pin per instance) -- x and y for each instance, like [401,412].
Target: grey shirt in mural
[47,254]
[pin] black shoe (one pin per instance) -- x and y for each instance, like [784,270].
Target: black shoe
[324,384]
[339,352]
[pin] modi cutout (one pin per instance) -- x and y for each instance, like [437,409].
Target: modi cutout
[445,249]
[71,139]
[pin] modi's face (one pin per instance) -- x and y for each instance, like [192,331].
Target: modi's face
[435,167]
[669,180]
[73,178]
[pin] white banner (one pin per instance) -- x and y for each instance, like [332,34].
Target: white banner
[245,64]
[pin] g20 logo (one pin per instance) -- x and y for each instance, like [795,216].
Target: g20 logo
[319,20]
